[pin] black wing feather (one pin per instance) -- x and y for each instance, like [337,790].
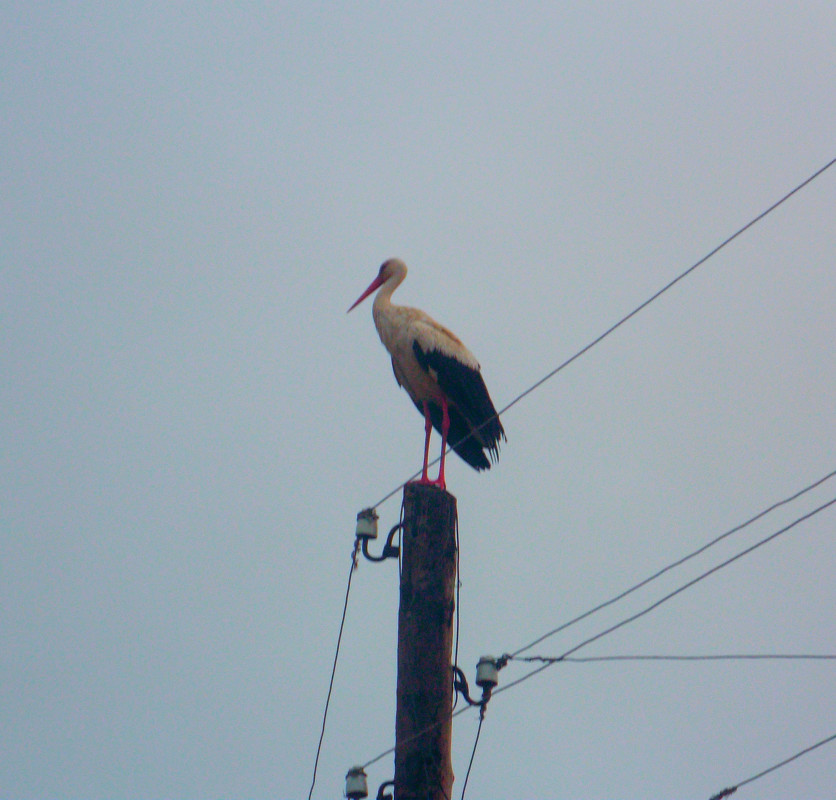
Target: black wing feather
[474,425]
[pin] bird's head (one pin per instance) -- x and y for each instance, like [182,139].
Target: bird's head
[389,269]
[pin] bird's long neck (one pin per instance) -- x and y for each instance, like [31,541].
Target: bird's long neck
[385,312]
[383,298]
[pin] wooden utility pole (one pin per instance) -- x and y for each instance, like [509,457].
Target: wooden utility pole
[423,764]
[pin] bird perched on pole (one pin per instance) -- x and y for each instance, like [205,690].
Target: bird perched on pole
[439,373]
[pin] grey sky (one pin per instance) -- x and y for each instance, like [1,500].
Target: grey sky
[192,197]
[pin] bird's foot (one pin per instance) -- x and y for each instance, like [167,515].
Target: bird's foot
[425,481]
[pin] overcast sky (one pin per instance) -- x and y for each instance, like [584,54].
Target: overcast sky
[193,195]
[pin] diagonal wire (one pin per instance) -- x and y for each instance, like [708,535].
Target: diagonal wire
[682,560]
[668,596]
[458,609]
[418,735]
[722,657]
[732,789]
[334,667]
[473,752]
[632,313]
[612,628]
[707,657]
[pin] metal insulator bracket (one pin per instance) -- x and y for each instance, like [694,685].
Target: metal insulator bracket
[366,531]
[487,677]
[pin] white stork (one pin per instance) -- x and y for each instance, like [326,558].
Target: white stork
[439,373]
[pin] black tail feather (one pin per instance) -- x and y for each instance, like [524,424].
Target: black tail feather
[461,437]
[474,424]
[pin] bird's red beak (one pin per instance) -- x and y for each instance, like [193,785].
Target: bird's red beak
[375,284]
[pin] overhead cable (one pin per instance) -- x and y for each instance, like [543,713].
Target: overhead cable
[732,789]
[670,595]
[612,628]
[631,314]
[676,563]
[334,667]
[473,753]
[705,657]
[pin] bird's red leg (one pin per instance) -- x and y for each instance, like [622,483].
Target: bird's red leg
[445,428]
[428,426]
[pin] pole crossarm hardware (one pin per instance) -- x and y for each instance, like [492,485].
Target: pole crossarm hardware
[487,677]
[366,531]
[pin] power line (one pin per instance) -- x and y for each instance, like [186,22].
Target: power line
[632,313]
[612,628]
[671,566]
[473,752]
[565,364]
[707,657]
[458,610]
[334,667]
[668,596]
[414,736]
[655,657]
[732,789]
